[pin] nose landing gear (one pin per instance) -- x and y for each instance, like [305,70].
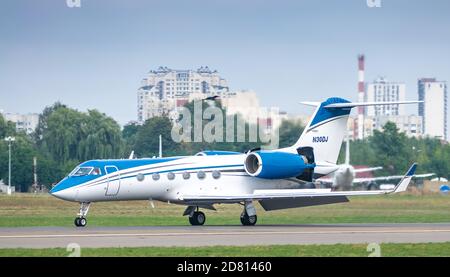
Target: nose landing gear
[80,220]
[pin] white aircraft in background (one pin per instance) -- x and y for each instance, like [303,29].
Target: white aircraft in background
[344,178]
[274,178]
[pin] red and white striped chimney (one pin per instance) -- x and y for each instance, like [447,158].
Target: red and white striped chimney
[360,120]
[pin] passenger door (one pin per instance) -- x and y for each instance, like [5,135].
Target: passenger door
[113,186]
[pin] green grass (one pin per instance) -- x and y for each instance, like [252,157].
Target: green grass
[337,250]
[45,210]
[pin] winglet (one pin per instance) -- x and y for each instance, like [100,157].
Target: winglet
[412,170]
[404,182]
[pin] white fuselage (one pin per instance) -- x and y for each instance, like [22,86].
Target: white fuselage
[153,181]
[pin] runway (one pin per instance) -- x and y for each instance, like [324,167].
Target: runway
[50,237]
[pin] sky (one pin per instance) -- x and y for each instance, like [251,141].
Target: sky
[95,56]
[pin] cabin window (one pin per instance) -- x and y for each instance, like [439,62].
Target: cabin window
[155,176]
[170,176]
[201,175]
[186,175]
[216,174]
[140,177]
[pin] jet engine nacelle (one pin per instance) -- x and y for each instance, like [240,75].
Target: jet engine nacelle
[275,165]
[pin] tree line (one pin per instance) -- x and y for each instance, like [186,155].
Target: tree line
[66,137]
[395,152]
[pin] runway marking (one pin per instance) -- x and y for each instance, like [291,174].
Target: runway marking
[224,233]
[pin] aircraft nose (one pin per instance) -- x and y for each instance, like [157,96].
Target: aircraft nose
[63,192]
[53,190]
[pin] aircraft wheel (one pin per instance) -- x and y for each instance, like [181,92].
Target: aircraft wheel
[247,220]
[83,222]
[80,221]
[198,218]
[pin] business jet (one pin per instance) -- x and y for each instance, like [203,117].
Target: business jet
[274,178]
[344,178]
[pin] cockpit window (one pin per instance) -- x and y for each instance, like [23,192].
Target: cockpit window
[96,171]
[81,171]
[86,170]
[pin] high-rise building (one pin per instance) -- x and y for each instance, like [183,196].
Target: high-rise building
[246,103]
[381,90]
[434,108]
[24,122]
[411,125]
[165,89]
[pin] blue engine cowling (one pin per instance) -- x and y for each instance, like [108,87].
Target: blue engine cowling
[275,165]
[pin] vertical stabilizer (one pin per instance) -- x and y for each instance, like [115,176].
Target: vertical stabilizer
[325,131]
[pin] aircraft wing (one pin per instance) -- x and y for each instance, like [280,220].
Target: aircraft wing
[359,170]
[259,195]
[389,178]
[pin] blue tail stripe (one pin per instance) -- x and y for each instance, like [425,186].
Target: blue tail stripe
[327,113]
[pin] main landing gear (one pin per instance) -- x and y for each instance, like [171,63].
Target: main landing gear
[80,220]
[196,217]
[248,215]
[248,220]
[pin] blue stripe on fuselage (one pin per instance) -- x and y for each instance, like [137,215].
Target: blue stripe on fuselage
[176,170]
[74,181]
[125,164]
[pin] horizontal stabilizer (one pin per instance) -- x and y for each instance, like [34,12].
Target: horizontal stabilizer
[313,104]
[356,104]
[370,169]
[327,127]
